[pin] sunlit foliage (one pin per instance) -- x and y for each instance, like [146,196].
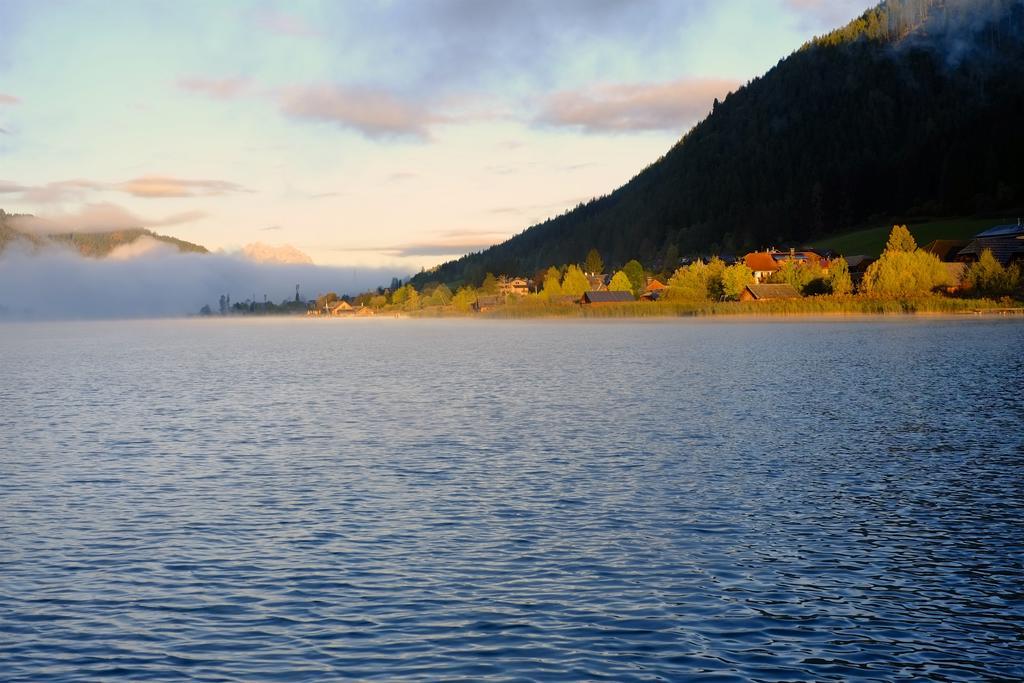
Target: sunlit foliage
[988,277]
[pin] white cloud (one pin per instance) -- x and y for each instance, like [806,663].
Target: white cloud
[672,106]
[373,112]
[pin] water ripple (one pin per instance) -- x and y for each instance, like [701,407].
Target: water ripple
[418,500]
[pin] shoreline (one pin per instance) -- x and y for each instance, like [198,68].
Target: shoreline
[731,311]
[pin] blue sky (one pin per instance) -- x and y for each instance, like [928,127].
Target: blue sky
[377,134]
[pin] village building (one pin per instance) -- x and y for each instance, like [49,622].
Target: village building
[760,292]
[606,297]
[519,286]
[341,307]
[654,290]
[488,302]
[947,251]
[598,281]
[765,263]
[1006,242]
[655,285]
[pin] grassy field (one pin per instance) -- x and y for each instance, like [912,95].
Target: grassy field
[872,240]
[816,305]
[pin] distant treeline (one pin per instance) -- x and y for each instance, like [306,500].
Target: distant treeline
[914,109]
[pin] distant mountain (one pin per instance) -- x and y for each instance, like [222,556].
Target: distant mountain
[914,109]
[267,253]
[91,244]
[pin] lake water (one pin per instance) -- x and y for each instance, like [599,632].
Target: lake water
[299,500]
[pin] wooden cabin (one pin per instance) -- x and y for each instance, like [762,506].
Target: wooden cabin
[601,298]
[766,292]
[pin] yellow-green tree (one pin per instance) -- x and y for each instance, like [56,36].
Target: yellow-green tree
[552,283]
[838,279]
[698,281]
[441,296]
[620,283]
[594,264]
[400,295]
[412,300]
[902,273]
[806,277]
[988,277]
[490,285]
[634,270]
[378,301]
[464,299]
[575,282]
[735,279]
[900,239]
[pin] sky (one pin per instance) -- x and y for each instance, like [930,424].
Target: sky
[379,135]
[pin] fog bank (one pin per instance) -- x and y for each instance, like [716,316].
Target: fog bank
[60,284]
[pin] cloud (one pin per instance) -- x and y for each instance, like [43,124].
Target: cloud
[59,191]
[164,186]
[373,112]
[7,187]
[99,217]
[143,246]
[441,46]
[672,106]
[6,99]
[271,228]
[157,282]
[221,89]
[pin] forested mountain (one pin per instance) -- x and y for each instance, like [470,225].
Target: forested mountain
[94,244]
[913,109]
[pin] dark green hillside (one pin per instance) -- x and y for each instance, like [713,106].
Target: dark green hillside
[93,244]
[99,244]
[913,110]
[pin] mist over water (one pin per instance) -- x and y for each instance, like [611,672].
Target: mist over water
[291,500]
[143,281]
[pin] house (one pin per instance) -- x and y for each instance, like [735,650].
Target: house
[858,263]
[948,251]
[486,302]
[598,281]
[654,290]
[519,286]
[1006,242]
[365,312]
[607,297]
[653,285]
[340,307]
[766,292]
[764,263]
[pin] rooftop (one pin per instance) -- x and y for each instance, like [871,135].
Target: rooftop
[780,291]
[605,297]
[1010,230]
